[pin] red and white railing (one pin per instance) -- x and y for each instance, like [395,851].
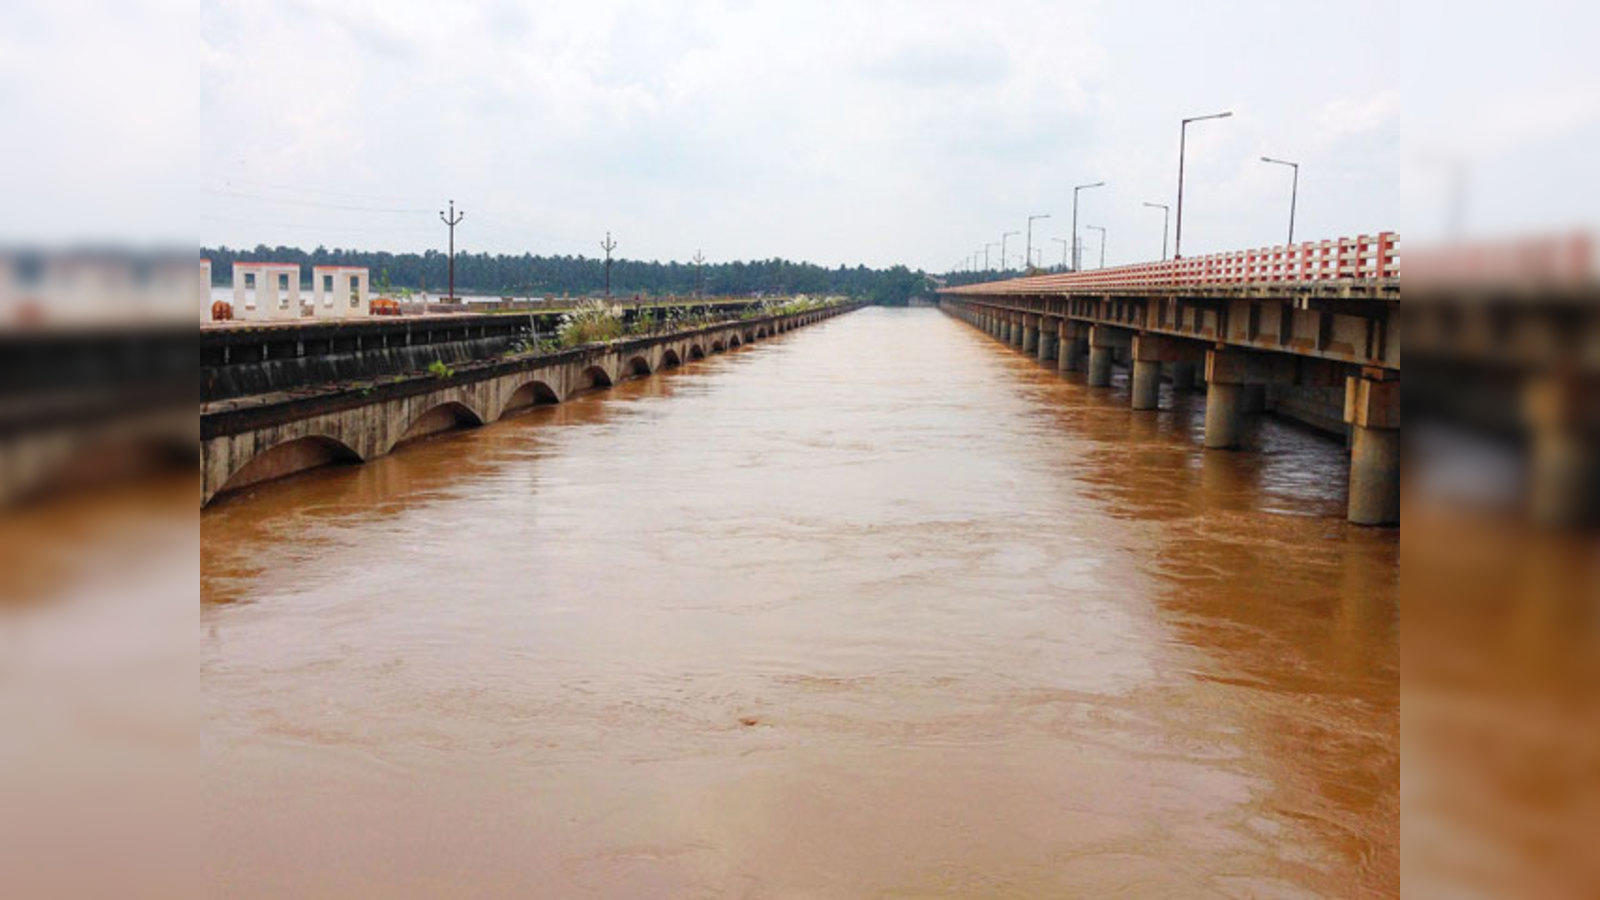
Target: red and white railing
[1367,257]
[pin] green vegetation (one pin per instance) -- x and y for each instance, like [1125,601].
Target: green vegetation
[529,275]
[438,369]
[590,322]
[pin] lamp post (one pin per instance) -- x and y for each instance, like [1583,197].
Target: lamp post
[1081,187]
[986,254]
[1064,245]
[1027,257]
[1166,213]
[1102,231]
[1183,135]
[1004,260]
[1294,189]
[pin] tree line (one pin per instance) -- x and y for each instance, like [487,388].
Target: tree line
[529,275]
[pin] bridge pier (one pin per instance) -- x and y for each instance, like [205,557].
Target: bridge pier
[1147,352]
[1372,407]
[1232,379]
[1072,349]
[1019,326]
[1048,338]
[1103,342]
[1183,375]
[1030,334]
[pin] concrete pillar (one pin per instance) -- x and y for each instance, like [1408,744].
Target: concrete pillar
[1066,336]
[1224,423]
[1146,353]
[1099,366]
[1253,399]
[1049,327]
[1030,334]
[1372,408]
[1183,375]
[1564,452]
[1102,345]
[1146,383]
[1018,329]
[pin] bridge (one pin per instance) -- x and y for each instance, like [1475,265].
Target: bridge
[318,414]
[1316,324]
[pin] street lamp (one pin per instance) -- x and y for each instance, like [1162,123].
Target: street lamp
[1081,187]
[1166,213]
[1064,245]
[1183,135]
[1027,258]
[1005,260]
[1294,189]
[1102,231]
[986,254]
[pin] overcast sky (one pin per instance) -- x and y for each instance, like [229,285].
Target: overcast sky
[838,133]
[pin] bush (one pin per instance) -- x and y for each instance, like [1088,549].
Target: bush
[590,322]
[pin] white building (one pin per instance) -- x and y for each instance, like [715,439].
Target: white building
[339,292]
[266,291]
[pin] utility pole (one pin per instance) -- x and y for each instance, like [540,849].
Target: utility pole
[1005,261]
[986,254]
[1102,231]
[1183,137]
[1064,245]
[1081,187]
[608,245]
[1027,257]
[452,220]
[699,275]
[1165,215]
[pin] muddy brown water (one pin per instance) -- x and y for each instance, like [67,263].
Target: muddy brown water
[875,607]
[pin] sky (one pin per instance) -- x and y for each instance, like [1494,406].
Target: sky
[863,132]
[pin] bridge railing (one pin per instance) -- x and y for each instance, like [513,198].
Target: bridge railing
[1365,257]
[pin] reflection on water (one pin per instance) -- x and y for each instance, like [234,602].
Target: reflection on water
[877,605]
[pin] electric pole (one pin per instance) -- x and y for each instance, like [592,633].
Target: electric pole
[699,275]
[452,220]
[608,245]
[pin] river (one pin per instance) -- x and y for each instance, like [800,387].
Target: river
[875,606]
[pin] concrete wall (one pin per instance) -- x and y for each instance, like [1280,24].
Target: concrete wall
[331,292]
[276,295]
[243,444]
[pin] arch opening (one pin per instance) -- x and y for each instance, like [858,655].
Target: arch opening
[595,377]
[717,347]
[447,416]
[669,358]
[288,458]
[733,341]
[534,393]
[638,367]
[696,352]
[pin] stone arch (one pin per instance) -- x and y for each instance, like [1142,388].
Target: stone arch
[717,347]
[288,457]
[733,340]
[670,358]
[446,416]
[761,333]
[594,377]
[534,393]
[696,351]
[637,366]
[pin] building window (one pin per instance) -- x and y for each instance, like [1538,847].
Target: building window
[355,291]
[283,290]
[250,290]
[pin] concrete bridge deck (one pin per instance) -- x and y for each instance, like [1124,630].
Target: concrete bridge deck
[251,439]
[1315,318]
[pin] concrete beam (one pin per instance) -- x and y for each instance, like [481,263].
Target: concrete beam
[1372,408]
